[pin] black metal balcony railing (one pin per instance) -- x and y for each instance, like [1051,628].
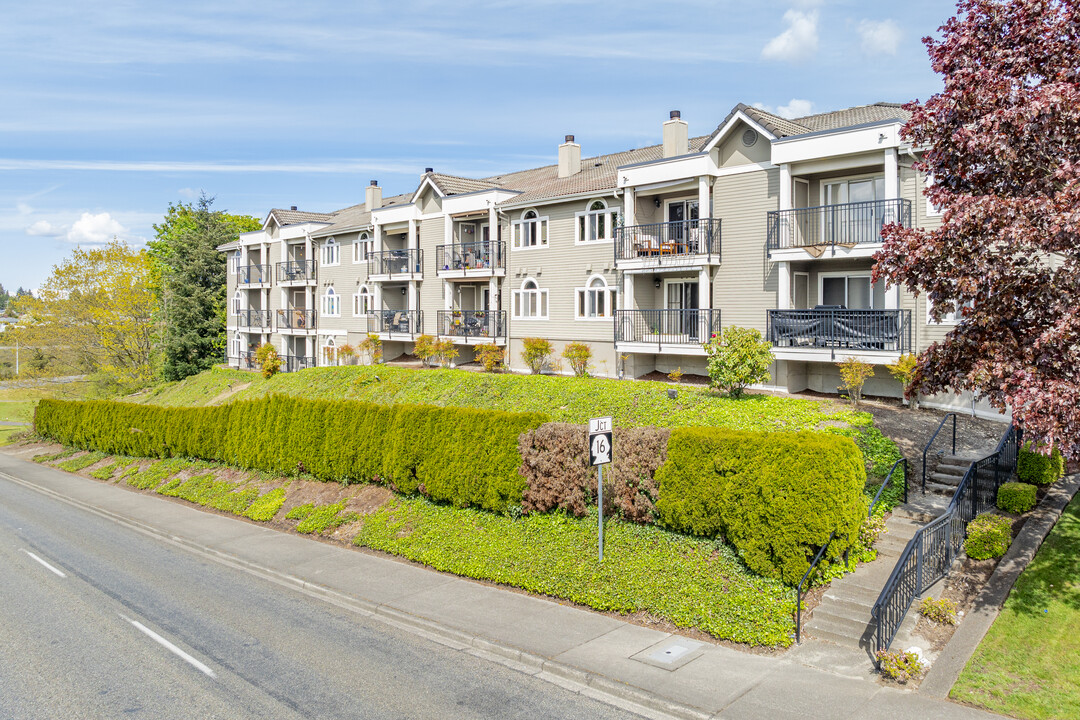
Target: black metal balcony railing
[247,361]
[395,262]
[479,325]
[296,319]
[470,256]
[296,271]
[666,327]
[832,225]
[663,241]
[885,330]
[292,363]
[254,318]
[405,322]
[251,274]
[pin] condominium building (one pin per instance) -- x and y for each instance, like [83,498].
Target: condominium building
[765,222]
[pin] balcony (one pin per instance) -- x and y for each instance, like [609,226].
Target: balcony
[292,363]
[397,322]
[246,360]
[659,331]
[296,319]
[675,244]
[808,334]
[253,275]
[254,319]
[296,272]
[472,326]
[470,260]
[407,264]
[817,229]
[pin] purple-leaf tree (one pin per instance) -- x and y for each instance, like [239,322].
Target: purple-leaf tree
[1002,145]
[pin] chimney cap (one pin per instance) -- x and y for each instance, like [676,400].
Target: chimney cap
[374,183]
[429,170]
[675,115]
[569,138]
[292,207]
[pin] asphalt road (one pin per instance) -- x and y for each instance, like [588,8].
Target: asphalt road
[100,621]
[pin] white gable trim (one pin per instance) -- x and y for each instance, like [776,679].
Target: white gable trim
[739,115]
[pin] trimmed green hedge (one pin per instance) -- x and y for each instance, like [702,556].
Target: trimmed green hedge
[988,536]
[461,456]
[1038,469]
[1016,497]
[775,496]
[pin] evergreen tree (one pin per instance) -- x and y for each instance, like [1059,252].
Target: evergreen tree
[191,283]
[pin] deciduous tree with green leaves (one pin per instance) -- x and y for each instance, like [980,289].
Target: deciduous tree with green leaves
[1002,143]
[738,357]
[190,279]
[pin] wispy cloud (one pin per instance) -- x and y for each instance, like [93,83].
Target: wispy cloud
[177,166]
[880,37]
[798,41]
[795,108]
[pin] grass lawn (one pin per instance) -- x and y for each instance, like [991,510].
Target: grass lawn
[1028,665]
[17,410]
[565,399]
[691,582]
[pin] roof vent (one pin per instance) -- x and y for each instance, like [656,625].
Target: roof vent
[293,207]
[429,170]
[674,115]
[569,138]
[374,183]
[749,137]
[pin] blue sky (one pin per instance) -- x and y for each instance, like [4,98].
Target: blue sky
[112,110]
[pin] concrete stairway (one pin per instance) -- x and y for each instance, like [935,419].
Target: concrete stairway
[843,616]
[949,472]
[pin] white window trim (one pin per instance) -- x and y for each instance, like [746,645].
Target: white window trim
[363,302]
[328,342]
[359,255]
[331,253]
[845,274]
[331,303]
[610,215]
[581,300]
[542,301]
[517,231]
[931,209]
[237,303]
[951,319]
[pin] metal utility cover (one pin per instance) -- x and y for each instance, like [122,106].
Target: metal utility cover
[671,653]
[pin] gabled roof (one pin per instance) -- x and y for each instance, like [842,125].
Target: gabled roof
[455,185]
[356,217]
[859,115]
[295,217]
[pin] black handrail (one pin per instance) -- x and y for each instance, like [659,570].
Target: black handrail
[253,274]
[404,322]
[831,225]
[929,554]
[888,477]
[296,319]
[296,271]
[478,255]
[396,262]
[480,326]
[659,242]
[840,328]
[799,592]
[686,326]
[931,442]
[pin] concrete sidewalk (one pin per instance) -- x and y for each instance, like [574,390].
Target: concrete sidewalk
[654,673]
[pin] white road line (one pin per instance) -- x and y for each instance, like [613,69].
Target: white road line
[47,565]
[170,647]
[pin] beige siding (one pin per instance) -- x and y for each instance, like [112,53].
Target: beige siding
[431,234]
[745,286]
[733,152]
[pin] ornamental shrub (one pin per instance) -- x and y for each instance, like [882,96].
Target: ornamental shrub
[579,355]
[941,610]
[738,357]
[1032,466]
[854,373]
[489,355]
[424,348]
[462,456]
[988,536]
[445,351]
[536,353]
[899,665]
[1016,497]
[775,496]
[268,360]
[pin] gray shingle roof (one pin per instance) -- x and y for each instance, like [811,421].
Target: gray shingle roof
[356,217]
[855,116]
[295,217]
[455,185]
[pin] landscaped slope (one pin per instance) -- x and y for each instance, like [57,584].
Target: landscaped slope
[564,399]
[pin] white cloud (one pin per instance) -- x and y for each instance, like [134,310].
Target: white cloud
[45,228]
[95,229]
[795,108]
[23,208]
[798,41]
[879,37]
[187,193]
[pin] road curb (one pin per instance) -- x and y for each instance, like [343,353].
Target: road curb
[946,669]
[584,682]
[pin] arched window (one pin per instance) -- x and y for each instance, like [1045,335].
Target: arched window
[530,302]
[597,222]
[237,303]
[531,231]
[236,345]
[330,303]
[329,351]
[359,248]
[363,302]
[331,252]
[596,300]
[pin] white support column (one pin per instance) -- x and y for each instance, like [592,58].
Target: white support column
[704,205]
[892,174]
[785,186]
[704,303]
[783,285]
[892,297]
[412,239]
[448,295]
[627,302]
[309,248]
[493,295]
[377,239]
[629,207]
[414,299]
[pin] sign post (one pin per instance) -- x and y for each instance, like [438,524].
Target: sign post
[600,455]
